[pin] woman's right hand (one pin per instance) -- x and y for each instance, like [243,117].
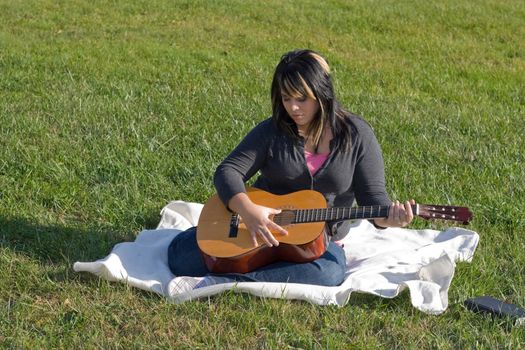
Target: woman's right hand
[257,219]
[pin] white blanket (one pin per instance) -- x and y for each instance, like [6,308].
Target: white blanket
[379,262]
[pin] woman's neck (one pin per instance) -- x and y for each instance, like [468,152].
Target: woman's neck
[324,144]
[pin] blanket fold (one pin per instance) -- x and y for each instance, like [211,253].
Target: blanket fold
[379,262]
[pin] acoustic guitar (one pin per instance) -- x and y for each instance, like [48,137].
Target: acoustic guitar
[226,243]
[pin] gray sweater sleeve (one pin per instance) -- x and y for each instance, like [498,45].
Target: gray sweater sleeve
[369,175]
[242,163]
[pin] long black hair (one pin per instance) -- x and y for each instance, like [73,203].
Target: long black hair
[305,73]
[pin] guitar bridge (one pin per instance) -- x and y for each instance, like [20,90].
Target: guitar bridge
[234,226]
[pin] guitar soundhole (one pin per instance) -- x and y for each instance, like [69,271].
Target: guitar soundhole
[286,217]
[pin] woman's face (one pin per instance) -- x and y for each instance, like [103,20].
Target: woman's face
[302,110]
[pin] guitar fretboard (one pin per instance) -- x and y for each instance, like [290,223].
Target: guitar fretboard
[342,213]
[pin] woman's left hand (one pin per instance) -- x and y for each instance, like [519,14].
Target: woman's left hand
[399,215]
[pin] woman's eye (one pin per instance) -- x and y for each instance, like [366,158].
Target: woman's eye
[299,99]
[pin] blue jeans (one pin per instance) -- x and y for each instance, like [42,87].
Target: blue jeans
[185,259]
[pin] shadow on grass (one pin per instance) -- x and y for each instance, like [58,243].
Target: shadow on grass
[59,244]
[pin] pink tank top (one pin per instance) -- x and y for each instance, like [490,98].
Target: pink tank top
[314,161]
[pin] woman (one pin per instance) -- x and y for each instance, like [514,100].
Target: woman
[310,142]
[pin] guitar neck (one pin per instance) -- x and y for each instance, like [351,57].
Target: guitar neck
[343,213]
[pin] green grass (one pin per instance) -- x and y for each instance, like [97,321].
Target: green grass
[109,109]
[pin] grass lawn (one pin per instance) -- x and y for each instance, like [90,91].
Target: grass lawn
[110,109]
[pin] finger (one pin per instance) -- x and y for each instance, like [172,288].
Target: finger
[254,238]
[269,238]
[278,228]
[262,237]
[408,208]
[409,212]
[396,211]
[402,219]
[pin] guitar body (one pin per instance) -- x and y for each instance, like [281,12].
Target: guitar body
[227,246]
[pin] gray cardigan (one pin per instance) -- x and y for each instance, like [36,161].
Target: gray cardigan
[357,174]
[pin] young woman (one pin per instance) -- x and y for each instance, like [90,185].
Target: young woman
[310,142]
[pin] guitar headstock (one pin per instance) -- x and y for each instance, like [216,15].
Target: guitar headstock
[444,212]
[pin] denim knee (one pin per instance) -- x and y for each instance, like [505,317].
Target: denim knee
[334,266]
[184,255]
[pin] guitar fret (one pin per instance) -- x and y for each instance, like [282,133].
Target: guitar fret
[340,213]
